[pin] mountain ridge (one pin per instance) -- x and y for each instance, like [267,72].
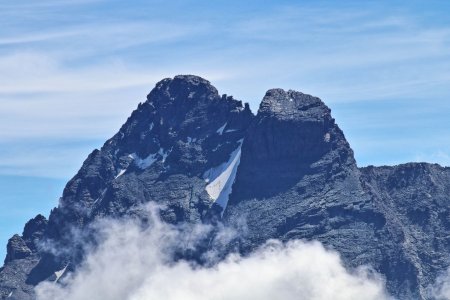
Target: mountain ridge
[288,170]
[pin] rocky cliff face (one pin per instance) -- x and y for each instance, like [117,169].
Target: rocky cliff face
[414,198]
[288,172]
[299,178]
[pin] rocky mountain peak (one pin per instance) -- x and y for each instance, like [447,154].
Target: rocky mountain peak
[35,225]
[16,249]
[180,114]
[287,173]
[294,126]
[293,137]
[182,132]
[293,105]
[181,89]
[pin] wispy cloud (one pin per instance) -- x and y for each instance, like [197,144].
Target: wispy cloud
[139,263]
[104,37]
[26,73]
[60,71]
[21,4]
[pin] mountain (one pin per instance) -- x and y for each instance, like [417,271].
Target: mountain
[288,172]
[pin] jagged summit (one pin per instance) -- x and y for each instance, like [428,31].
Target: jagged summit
[182,89]
[292,104]
[186,80]
[295,126]
[287,173]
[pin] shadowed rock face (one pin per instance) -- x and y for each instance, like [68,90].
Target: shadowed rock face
[292,173]
[16,249]
[415,199]
[292,136]
[298,180]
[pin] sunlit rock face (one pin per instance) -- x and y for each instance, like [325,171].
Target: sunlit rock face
[285,173]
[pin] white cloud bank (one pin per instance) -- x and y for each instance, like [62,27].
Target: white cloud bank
[132,263]
[440,290]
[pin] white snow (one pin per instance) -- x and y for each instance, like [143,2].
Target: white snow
[163,154]
[191,140]
[60,273]
[101,196]
[230,130]
[121,171]
[220,130]
[151,126]
[9,295]
[144,163]
[221,178]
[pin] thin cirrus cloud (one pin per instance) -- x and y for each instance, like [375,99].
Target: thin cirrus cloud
[332,41]
[27,73]
[27,4]
[100,37]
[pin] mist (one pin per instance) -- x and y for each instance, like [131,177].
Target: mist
[135,262]
[440,290]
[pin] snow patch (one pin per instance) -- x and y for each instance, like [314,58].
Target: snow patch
[220,130]
[144,163]
[221,178]
[121,171]
[163,154]
[191,140]
[102,195]
[60,273]
[9,295]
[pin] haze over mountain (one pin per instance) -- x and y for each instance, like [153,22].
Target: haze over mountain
[223,180]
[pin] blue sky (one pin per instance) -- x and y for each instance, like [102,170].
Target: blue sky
[71,71]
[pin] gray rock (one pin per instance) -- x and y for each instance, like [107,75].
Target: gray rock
[297,179]
[16,249]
